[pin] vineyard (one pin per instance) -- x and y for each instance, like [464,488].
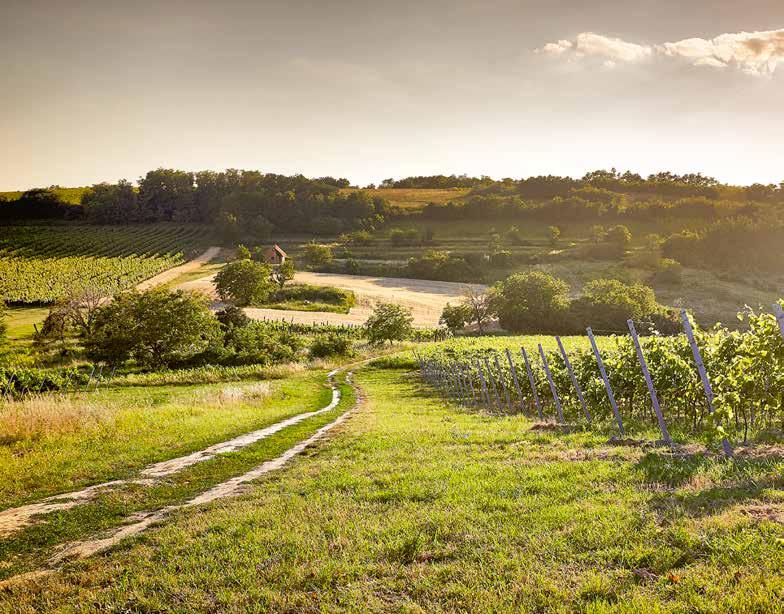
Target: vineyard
[40,264]
[742,399]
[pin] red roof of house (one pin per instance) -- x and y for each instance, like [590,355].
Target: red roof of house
[277,248]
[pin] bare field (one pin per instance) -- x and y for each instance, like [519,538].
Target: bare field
[426,299]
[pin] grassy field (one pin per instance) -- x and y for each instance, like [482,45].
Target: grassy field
[51,444]
[413,198]
[418,506]
[69,195]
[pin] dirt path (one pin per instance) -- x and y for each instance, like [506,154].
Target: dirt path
[15,519]
[426,299]
[173,273]
[137,523]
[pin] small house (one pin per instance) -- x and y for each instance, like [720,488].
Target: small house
[274,255]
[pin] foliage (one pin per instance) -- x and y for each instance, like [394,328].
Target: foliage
[232,316]
[606,305]
[156,328]
[284,272]
[254,344]
[317,255]
[531,302]
[454,317]
[46,264]
[244,282]
[746,370]
[442,266]
[389,322]
[305,295]
[329,345]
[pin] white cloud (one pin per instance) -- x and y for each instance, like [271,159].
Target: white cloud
[756,53]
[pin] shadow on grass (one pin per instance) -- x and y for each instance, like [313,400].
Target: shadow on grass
[729,482]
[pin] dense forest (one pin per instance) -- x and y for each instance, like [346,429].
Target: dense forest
[235,201]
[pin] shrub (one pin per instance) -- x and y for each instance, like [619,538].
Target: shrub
[407,236]
[317,255]
[531,302]
[389,322]
[670,272]
[259,344]
[331,344]
[555,235]
[606,305]
[330,295]
[244,282]
[156,328]
[232,316]
[454,317]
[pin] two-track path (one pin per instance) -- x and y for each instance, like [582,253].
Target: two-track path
[15,519]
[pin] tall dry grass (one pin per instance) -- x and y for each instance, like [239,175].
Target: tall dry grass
[44,415]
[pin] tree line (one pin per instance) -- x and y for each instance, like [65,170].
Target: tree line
[238,202]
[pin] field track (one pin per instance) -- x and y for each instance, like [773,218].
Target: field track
[15,519]
[173,273]
[426,299]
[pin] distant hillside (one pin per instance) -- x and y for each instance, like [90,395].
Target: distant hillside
[71,196]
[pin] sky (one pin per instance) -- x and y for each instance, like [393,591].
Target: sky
[103,90]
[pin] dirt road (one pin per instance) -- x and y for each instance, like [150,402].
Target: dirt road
[170,274]
[426,299]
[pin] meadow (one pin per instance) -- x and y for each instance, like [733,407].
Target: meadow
[417,504]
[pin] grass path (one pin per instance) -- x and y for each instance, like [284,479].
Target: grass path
[416,505]
[14,519]
[131,507]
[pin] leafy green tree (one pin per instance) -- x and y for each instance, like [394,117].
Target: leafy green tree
[531,302]
[619,236]
[244,282]
[317,255]
[606,304]
[242,253]
[107,203]
[166,195]
[454,317]
[597,233]
[283,273]
[232,316]
[389,322]
[157,328]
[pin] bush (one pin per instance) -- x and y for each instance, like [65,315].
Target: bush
[389,322]
[670,272]
[407,236]
[317,255]
[606,305]
[259,344]
[331,344]
[531,302]
[441,266]
[244,282]
[454,317]
[232,316]
[156,328]
[305,293]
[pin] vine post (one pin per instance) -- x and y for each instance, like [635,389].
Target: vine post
[651,390]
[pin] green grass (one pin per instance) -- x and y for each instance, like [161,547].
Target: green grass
[416,506]
[305,297]
[50,445]
[21,322]
[72,196]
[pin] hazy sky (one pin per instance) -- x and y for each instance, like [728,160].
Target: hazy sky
[103,90]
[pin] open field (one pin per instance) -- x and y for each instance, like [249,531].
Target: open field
[416,198]
[416,505]
[425,298]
